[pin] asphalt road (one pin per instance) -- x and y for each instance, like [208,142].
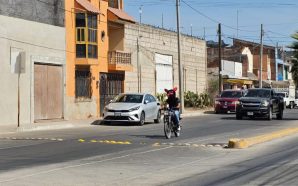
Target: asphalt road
[133,155]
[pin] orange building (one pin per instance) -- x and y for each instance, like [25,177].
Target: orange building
[96,60]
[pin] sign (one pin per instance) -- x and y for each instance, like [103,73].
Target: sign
[17,61]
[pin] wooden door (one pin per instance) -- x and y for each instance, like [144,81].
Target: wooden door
[48,92]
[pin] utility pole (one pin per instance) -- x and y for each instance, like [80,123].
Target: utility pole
[162,20]
[237,22]
[261,59]
[138,52]
[181,93]
[219,60]
[191,30]
[204,37]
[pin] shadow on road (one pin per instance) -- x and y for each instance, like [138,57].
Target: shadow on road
[150,136]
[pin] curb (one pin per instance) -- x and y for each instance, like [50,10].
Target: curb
[46,127]
[194,114]
[247,142]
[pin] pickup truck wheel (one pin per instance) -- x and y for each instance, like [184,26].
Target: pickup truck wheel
[280,115]
[269,117]
[238,116]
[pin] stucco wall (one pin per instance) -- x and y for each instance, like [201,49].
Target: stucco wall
[154,40]
[45,11]
[41,43]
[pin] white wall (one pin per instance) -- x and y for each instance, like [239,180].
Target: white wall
[231,68]
[40,43]
[249,55]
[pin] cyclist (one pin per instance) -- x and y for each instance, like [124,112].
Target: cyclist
[174,104]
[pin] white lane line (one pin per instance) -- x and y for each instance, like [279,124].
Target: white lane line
[80,165]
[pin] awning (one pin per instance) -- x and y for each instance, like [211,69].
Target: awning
[88,6]
[121,14]
[239,81]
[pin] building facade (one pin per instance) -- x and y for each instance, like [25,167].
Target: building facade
[96,59]
[32,50]
[155,60]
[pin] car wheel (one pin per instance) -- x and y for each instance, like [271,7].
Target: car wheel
[142,119]
[269,117]
[238,116]
[158,118]
[291,105]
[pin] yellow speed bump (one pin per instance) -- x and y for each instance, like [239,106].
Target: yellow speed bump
[247,142]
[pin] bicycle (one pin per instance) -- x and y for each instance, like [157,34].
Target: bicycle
[169,125]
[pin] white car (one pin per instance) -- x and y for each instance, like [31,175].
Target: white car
[139,108]
[290,101]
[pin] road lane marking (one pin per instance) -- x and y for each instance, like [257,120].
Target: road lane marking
[113,142]
[33,139]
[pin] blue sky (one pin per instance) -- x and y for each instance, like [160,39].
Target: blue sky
[279,17]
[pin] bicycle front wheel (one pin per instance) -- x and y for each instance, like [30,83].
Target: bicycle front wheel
[167,129]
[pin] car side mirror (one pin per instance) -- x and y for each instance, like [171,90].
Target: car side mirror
[146,101]
[111,101]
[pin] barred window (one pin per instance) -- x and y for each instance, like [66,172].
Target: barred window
[83,82]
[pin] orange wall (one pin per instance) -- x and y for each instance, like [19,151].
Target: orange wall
[97,66]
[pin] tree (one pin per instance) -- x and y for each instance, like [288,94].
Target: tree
[294,69]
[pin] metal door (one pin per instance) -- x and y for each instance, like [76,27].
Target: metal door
[48,91]
[111,85]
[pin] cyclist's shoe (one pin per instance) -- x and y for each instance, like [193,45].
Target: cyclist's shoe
[178,128]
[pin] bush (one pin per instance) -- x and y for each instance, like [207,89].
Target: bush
[192,99]
[162,98]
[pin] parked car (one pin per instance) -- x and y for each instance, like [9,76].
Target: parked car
[260,102]
[227,101]
[137,108]
[289,101]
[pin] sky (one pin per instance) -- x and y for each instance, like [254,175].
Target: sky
[279,18]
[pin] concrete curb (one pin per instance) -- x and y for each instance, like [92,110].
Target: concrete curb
[247,142]
[46,127]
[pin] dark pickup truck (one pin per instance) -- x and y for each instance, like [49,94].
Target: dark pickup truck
[260,102]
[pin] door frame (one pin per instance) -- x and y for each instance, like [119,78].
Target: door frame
[56,61]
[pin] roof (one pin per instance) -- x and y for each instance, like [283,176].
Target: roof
[252,43]
[88,6]
[120,14]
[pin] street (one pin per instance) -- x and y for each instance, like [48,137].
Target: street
[140,155]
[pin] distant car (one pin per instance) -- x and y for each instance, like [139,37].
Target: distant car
[227,101]
[260,102]
[137,108]
[288,100]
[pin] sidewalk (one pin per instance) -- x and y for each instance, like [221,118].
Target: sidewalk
[49,125]
[63,124]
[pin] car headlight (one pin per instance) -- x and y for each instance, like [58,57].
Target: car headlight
[265,103]
[133,109]
[105,109]
[236,102]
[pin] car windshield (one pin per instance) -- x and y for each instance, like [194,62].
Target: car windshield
[258,93]
[231,94]
[281,94]
[129,98]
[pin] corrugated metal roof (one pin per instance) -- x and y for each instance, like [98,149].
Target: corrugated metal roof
[121,14]
[88,6]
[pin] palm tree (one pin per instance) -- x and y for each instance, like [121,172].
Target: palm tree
[294,69]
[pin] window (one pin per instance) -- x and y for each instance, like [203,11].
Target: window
[86,35]
[83,82]
[152,99]
[113,3]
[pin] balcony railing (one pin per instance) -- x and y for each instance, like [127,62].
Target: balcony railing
[119,58]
